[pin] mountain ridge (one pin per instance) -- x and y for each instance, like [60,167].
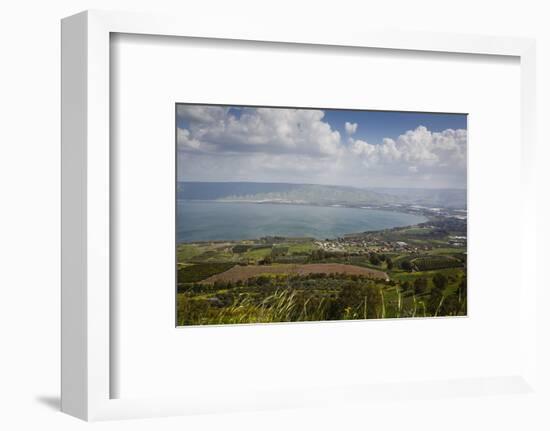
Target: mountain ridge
[243,191]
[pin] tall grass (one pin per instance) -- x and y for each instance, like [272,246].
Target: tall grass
[281,306]
[286,305]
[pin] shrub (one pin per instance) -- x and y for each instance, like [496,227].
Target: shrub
[440,282]
[420,285]
[406,265]
[241,248]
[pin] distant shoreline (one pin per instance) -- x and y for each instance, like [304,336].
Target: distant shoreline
[399,210]
[386,207]
[418,210]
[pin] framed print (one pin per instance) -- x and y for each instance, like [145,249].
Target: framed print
[295,202]
[365,231]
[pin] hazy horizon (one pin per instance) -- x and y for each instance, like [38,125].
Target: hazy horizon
[326,185]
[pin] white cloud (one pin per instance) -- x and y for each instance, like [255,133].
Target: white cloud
[416,149]
[351,128]
[265,130]
[202,114]
[296,145]
[185,141]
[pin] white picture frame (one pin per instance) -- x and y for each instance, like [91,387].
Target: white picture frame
[86,169]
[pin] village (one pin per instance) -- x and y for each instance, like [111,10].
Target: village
[357,245]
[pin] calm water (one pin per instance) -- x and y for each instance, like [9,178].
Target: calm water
[206,221]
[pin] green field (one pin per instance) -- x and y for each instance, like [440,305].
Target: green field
[247,281]
[201,271]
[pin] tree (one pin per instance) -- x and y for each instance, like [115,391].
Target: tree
[318,254]
[405,286]
[440,282]
[389,262]
[462,287]
[265,261]
[420,285]
[374,259]
[262,280]
[406,265]
[348,298]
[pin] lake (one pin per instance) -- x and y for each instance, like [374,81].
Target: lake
[208,221]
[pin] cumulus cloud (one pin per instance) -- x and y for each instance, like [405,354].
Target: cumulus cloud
[297,145]
[263,130]
[185,141]
[416,150]
[202,114]
[351,128]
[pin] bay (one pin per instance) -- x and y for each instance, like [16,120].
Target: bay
[211,221]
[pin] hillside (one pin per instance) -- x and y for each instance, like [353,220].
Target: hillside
[318,194]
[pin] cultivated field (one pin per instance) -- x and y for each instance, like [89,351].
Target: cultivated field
[241,273]
[414,271]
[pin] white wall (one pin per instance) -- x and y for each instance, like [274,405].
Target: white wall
[29,215]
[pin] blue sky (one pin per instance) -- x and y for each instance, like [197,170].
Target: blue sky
[373,126]
[324,146]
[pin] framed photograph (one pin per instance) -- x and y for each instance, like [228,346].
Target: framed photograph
[292,215]
[268,218]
